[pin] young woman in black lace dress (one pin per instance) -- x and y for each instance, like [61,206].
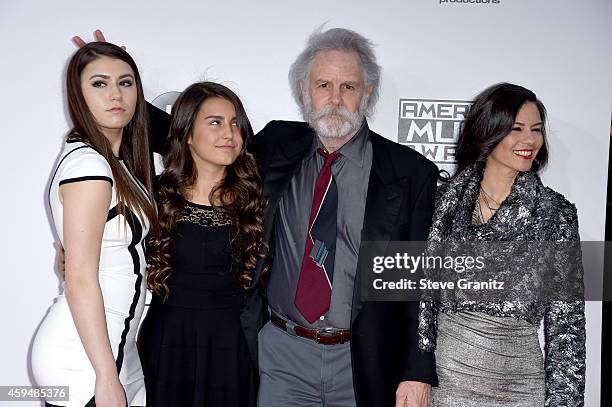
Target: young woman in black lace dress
[192,345]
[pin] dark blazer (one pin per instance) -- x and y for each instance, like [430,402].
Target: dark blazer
[400,199]
[399,206]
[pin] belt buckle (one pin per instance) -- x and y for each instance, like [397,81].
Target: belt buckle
[326,330]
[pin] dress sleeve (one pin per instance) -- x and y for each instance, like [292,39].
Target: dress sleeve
[564,328]
[428,325]
[85,165]
[428,308]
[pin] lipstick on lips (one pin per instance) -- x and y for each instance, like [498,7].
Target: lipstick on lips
[525,154]
[117,109]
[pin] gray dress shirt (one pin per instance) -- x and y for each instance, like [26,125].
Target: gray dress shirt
[351,172]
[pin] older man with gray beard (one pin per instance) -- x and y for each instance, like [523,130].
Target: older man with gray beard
[333,183]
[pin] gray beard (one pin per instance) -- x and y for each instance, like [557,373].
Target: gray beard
[337,122]
[334,122]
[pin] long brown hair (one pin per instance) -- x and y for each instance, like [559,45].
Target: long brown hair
[490,119]
[134,150]
[239,192]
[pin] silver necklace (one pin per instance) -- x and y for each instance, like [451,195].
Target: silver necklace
[485,198]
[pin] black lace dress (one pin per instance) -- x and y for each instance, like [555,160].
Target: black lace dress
[192,347]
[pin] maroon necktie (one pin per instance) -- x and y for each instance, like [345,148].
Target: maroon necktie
[313,294]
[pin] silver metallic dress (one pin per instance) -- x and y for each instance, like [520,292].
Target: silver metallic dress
[488,353]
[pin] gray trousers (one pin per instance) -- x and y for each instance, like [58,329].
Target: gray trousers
[298,372]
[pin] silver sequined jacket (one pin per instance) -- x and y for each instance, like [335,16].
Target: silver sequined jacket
[532,212]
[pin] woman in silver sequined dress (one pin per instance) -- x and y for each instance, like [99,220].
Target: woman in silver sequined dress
[488,353]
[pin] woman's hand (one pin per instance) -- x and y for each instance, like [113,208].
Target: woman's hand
[109,392]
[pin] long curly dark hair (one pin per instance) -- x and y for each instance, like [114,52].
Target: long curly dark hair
[239,192]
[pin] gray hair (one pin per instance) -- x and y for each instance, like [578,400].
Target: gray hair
[340,39]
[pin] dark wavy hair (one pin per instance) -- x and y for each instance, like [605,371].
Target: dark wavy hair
[239,192]
[134,150]
[490,119]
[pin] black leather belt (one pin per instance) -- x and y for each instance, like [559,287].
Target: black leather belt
[322,336]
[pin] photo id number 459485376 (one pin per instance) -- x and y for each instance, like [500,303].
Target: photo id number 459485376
[33,393]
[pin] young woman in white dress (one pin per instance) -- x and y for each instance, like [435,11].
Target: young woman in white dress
[102,212]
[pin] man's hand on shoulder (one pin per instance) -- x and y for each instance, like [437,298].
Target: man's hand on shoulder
[413,394]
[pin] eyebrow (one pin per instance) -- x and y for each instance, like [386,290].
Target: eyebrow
[349,82]
[218,117]
[103,76]
[535,124]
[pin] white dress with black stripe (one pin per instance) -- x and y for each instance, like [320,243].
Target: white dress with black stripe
[58,356]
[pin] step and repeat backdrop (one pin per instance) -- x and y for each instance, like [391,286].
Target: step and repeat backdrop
[436,56]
